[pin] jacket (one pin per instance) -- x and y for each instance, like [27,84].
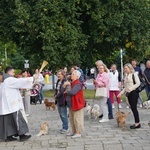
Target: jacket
[129,84]
[76,93]
[59,94]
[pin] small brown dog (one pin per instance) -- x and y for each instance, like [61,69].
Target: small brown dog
[49,104]
[43,129]
[121,119]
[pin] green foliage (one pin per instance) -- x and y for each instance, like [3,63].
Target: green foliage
[67,31]
[6,50]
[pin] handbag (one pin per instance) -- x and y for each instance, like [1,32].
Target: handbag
[142,83]
[101,92]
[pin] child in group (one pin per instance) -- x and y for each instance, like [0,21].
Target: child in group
[35,90]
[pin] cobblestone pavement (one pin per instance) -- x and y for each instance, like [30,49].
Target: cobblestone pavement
[97,136]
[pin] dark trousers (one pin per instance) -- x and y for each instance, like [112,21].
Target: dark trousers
[133,99]
[110,112]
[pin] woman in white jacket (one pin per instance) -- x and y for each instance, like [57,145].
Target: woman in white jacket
[131,93]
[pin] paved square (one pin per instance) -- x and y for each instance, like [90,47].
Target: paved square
[97,136]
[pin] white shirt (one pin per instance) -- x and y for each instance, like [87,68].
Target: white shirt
[114,83]
[38,78]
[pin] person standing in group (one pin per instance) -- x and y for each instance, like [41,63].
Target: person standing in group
[77,102]
[110,114]
[12,121]
[39,79]
[115,84]
[102,80]
[131,93]
[139,72]
[26,95]
[81,79]
[146,75]
[60,100]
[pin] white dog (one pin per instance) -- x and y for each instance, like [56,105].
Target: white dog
[88,110]
[95,111]
[146,104]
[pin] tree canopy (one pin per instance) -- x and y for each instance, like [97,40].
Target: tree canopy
[67,31]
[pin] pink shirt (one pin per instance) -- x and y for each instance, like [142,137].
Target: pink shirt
[103,79]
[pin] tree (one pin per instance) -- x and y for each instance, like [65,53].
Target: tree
[67,31]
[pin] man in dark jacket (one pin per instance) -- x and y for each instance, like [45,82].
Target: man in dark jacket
[60,99]
[146,75]
[139,71]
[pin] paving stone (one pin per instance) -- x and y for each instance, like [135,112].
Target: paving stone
[96,136]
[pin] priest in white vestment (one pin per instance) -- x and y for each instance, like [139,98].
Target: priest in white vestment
[12,122]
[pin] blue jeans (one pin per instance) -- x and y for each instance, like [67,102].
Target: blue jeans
[62,110]
[41,93]
[110,112]
[147,89]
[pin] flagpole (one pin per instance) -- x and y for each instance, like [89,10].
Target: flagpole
[121,56]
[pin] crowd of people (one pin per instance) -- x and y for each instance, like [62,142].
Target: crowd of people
[69,97]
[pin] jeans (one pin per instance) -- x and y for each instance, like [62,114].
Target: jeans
[41,93]
[62,110]
[140,101]
[147,89]
[110,112]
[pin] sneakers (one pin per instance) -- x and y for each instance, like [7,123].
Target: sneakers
[113,106]
[120,106]
[104,120]
[63,131]
[70,134]
[24,137]
[76,136]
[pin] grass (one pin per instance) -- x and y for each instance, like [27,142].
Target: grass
[89,94]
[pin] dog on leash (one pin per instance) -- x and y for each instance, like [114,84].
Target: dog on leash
[121,119]
[88,109]
[43,129]
[95,111]
[49,105]
[146,104]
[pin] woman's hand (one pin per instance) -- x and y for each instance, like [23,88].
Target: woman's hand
[65,91]
[119,95]
[94,81]
[66,83]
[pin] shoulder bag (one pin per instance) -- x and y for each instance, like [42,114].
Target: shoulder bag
[101,92]
[142,84]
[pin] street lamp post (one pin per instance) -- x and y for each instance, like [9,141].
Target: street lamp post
[121,57]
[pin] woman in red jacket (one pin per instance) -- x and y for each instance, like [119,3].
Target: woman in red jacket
[76,112]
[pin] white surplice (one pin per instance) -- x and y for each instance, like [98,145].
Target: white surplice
[10,97]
